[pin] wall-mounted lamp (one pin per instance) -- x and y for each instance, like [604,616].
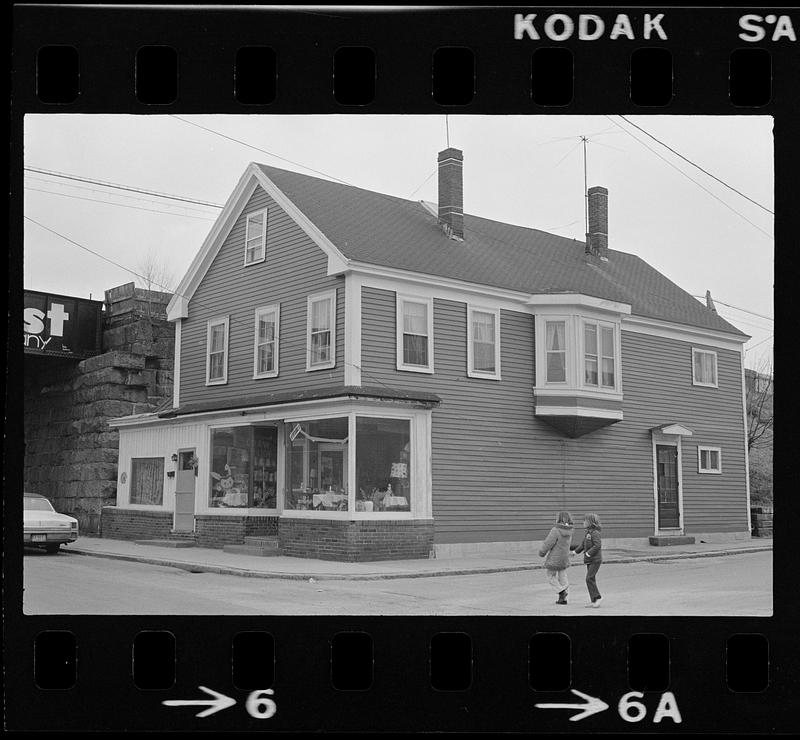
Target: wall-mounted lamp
[174,457]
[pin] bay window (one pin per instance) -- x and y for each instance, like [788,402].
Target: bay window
[598,354]
[556,351]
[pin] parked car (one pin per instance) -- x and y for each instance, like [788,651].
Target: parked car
[44,526]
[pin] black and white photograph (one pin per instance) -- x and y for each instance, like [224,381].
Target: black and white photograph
[398,365]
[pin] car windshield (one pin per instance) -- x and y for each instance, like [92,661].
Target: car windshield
[37,504]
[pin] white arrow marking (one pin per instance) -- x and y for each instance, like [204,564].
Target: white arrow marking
[218,703]
[592,706]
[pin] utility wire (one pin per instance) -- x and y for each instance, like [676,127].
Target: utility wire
[694,164]
[76,186]
[258,149]
[422,184]
[121,205]
[771,336]
[118,186]
[729,207]
[722,303]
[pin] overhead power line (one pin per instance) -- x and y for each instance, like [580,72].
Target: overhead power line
[722,303]
[694,164]
[112,203]
[700,185]
[119,186]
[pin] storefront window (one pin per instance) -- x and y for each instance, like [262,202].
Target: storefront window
[383,464]
[317,459]
[243,467]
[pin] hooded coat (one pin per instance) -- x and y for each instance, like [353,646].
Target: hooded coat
[556,547]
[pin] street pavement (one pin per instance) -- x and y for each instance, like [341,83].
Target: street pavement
[209,560]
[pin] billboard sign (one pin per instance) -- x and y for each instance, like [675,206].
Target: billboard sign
[62,326]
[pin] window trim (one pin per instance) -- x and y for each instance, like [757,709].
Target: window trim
[276,309]
[225,320]
[163,482]
[695,381]
[471,371]
[709,471]
[401,299]
[566,320]
[250,216]
[329,295]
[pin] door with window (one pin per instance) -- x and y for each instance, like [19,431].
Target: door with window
[185,480]
[668,493]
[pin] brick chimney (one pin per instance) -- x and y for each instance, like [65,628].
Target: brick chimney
[597,238]
[451,192]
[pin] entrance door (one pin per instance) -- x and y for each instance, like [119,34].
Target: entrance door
[184,492]
[667,472]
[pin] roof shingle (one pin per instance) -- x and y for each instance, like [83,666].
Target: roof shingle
[388,231]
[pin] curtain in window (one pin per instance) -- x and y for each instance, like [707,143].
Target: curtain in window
[415,334]
[217,352]
[607,352]
[147,480]
[704,367]
[590,354]
[483,341]
[556,352]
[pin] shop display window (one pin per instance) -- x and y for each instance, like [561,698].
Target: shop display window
[383,464]
[317,461]
[243,467]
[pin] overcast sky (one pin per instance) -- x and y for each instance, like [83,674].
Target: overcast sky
[525,170]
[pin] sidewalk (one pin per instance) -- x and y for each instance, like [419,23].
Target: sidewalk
[208,560]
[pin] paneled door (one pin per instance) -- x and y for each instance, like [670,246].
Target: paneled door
[667,472]
[185,481]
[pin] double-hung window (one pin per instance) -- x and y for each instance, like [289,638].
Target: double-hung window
[556,348]
[704,367]
[266,342]
[483,343]
[217,351]
[415,334]
[709,460]
[321,330]
[598,355]
[255,241]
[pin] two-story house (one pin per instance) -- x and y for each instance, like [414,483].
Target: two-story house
[367,377]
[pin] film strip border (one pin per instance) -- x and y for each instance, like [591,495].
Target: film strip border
[341,674]
[490,60]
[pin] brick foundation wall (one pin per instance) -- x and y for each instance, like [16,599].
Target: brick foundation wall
[218,531]
[356,541]
[130,524]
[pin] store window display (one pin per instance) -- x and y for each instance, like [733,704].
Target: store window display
[243,467]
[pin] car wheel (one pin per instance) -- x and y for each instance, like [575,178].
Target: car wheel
[52,549]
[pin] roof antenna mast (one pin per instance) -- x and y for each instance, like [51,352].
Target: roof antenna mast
[585,188]
[447,129]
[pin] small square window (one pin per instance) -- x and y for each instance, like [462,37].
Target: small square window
[704,367]
[709,460]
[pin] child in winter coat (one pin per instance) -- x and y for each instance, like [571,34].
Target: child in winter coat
[556,547]
[591,546]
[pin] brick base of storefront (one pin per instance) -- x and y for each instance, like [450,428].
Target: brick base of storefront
[356,541]
[132,524]
[218,531]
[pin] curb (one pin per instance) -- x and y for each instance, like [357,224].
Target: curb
[228,570]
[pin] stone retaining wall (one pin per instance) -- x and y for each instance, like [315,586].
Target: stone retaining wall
[761,517]
[70,451]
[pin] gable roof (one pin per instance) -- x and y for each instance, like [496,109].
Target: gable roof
[388,231]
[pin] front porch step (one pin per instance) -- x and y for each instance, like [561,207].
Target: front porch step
[262,541]
[167,543]
[258,550]
[671,539]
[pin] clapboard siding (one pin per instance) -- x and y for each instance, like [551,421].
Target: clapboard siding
[500,473]
[294,268]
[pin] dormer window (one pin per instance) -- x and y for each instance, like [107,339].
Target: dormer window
[255,241]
